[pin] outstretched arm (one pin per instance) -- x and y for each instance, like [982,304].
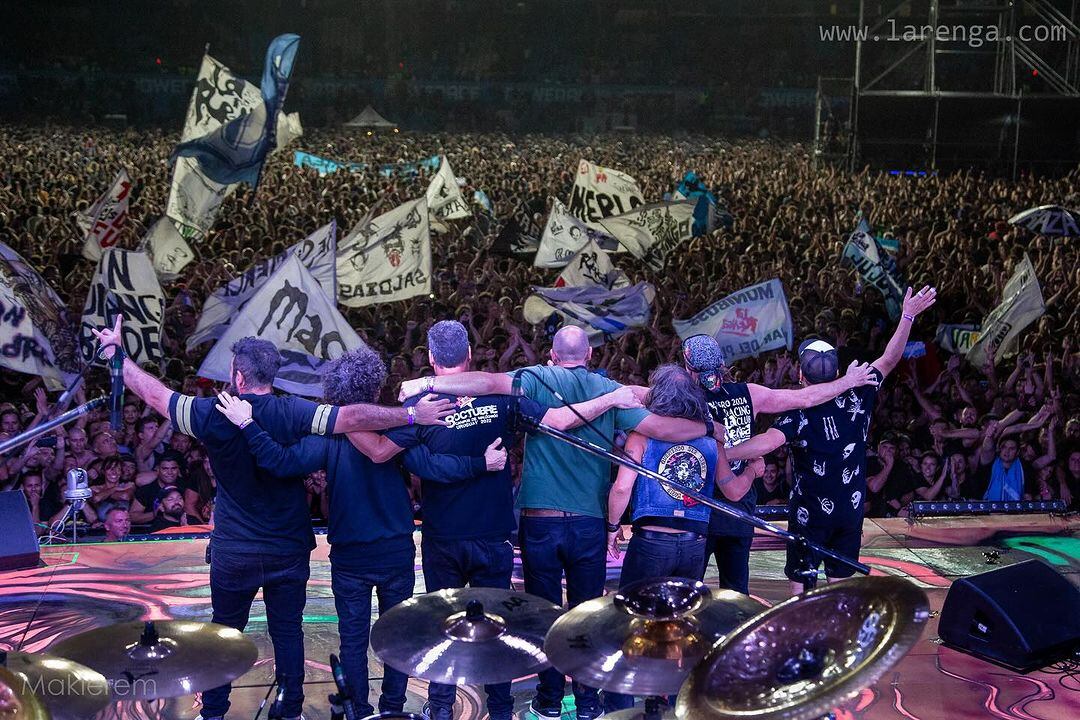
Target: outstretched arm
[149,388]
[772,401]
[565,418]
[757,446]
[468,383]
[362,416]
[913,305]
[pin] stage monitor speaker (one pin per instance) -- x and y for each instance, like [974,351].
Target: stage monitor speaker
[1022,616]
[18,543]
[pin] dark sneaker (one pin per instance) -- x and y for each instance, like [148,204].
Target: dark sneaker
[545,711]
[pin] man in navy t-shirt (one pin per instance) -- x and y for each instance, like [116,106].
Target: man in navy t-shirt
[829,449]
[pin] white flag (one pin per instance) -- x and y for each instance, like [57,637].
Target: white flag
[602,313]
[601,192]
[592,266]
[386,259]
[444,197]
[651,232]
[101,223]
[317,252]
[168,250]
[37,335]
[564,235]
[125,283]
[746,323]
[292,311]
[1021,305]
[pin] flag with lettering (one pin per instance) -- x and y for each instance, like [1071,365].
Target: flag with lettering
[520,235]
[746,323]
[602,313]
[317,252]
[167,248]
[601,192]
[102,222]
[444,197]
[292,310]
[386,259]
[564,235]
[876,268]
[125,283]
[957,338]
[1021,304]
[592,266]
[651,232]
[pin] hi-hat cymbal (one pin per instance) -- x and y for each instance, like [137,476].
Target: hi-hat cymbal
[16,700]
[645,639]
[147,661]
[468,636]
[68,689]
[802,658]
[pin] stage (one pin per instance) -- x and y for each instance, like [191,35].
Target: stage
[90,585]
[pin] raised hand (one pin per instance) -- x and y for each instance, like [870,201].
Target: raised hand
[919,302]
[495,455]
[236,410]
[430,411]
[110,338]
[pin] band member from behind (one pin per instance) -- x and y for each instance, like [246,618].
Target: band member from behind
[736,406]
[829,449]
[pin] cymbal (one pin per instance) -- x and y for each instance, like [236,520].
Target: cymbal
[802,658]
[17,702]
[639,713]
[645,639]
[163,659]
[466,636]
[68,689]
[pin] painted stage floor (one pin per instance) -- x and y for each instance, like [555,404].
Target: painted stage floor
[87,586]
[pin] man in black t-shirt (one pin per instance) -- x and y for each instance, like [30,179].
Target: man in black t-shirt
[829,449]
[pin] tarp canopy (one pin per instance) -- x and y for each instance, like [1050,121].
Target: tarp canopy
[368,118]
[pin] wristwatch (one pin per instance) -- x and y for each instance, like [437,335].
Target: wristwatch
[612,527]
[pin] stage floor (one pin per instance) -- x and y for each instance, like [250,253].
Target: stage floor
[87,586]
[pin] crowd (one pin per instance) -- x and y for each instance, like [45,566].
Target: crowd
[942,428]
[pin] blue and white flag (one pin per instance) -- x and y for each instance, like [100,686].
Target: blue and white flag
[480,198]
[957,339]
[602,313]
[746,323]
[325,166]
[876,268]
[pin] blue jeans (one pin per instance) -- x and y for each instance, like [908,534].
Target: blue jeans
[732,561]
[235,578]
[550,547]
[654,554]
[473,563]
[352,588]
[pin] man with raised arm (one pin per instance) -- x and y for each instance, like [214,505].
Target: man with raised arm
[829,454]
[736,405]
[564,490]
[262,535]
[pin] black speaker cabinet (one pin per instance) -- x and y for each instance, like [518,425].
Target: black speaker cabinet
[18,543]
[1022,616]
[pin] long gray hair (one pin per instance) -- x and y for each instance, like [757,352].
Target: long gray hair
[673,393]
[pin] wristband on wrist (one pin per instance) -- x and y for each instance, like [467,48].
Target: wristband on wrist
[246,423]
[429,383]
[612,527]
[909,318]
[412,415]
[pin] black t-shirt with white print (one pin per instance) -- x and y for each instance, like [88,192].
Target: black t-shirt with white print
[829,457]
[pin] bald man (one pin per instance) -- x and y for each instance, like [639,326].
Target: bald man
[564,490]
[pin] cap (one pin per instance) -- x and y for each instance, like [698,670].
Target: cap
[702,353]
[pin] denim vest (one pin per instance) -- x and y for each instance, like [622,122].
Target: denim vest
[690,464]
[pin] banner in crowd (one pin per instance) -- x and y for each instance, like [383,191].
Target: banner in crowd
[102,222]
[876,268]
[592,266]
[746,323]
[444,197]
[481,198]
[957,339]
[564,235]
[317,252]
[37,336]
[520,235]
[651,232]
[1021,305]
[602,313]
[168,250]
[706,213]
[291,310]
[125,283]
[386,259]
[326,166]
[601,192]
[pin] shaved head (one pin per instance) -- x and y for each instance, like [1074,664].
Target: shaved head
[571,345]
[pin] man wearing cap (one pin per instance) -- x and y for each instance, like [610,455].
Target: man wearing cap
[829,450]
[736,405]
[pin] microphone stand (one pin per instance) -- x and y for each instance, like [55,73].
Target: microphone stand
[39,430]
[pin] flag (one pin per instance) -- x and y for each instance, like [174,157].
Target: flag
[37,335]
[444,197]
[292,310]
[746,323]
[481,198]
[601,192]
[168,250]
[564,235]
[705,213]
[602,313]
[520,234]
[1021,305]
[125,283]
[957,339]
[592,266]
[317,252]
[876,268]
[386,259]
[651,232]
[101,223]
[324,166]
[235,151]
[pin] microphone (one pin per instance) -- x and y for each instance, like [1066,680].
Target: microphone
[343,699]
[116,395]
[515,389]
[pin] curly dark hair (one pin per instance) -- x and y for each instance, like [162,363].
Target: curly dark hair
[673,393]
[355,377]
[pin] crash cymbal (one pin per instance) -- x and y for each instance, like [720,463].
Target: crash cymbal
[68,689]
[169,658]
[645,639]
[17,702]
[802,658]
[468,636]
